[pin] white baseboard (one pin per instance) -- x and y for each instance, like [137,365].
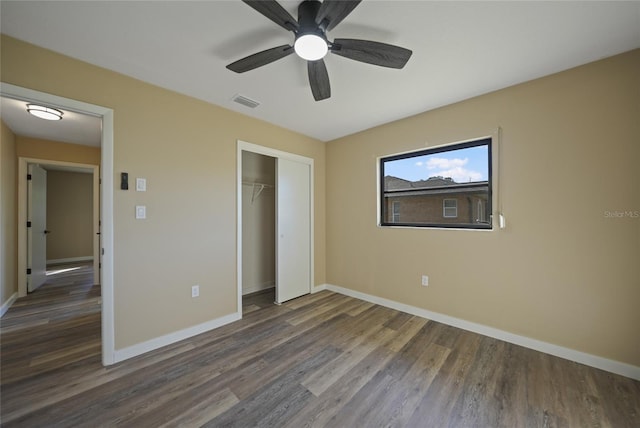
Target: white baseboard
[317,288]
[606,364]
[168,339]
[258,287]
[70,260]
[6,305]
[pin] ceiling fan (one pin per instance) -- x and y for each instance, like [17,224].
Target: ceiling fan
[315,19]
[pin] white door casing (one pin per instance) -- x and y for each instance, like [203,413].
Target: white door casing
[278,154]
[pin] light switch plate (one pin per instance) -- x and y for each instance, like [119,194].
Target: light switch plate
[141,184]
[141,212]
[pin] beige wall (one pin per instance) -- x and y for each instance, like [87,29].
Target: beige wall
[186,149]
[69,215]
[258,223]
[8,214]
[562,271]
[37,148]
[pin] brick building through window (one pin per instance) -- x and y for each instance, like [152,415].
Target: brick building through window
[432,201]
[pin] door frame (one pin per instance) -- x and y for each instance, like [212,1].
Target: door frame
[278,154]
[106,201]
[23,240]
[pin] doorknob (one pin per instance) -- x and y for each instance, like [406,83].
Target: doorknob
[46,232]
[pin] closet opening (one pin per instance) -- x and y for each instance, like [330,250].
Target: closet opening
[258,231]
[275,226]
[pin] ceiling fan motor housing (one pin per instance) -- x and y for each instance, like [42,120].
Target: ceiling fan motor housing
[307,12]
[311,43]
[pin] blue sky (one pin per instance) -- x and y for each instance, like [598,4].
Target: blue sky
[462,165]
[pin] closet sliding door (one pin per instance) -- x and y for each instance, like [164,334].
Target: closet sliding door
[293,229]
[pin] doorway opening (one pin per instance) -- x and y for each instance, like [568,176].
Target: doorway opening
[275,225]
[105,247]
[63,218]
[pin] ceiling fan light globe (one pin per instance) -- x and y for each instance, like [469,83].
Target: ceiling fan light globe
[311,47]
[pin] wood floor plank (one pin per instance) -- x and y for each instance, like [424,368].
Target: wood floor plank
[321,411]
[333,372]
[399,340]
[250,308]
[398,407]
[360,308]
[92,347]
[47,390]
[313,311]
[447,385]
[322,360]
[279,400]
[617,398]
[476,402]
[398,321]
[196,413]
[384,383]
[508,376]
[164,400]
[310,299]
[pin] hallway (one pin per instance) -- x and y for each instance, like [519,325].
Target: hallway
[57,324]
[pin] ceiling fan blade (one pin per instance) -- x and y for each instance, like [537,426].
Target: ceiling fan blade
[261,58]
[275,12]
[370,52]
[319,80]
[334,11]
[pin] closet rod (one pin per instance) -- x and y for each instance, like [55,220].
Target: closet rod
[252,183]
[259,186]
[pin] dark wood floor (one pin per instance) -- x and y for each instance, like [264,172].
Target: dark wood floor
[321,360]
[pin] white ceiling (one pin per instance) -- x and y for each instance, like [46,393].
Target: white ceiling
[460,50]
[74,128]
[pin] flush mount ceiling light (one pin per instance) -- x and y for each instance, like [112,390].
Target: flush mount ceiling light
[43,112]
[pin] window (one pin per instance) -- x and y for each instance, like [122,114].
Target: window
[481,216]
[447,186]
[450,208]
[396,212]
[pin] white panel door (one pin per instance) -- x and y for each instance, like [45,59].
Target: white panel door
[293,229]
[37,233]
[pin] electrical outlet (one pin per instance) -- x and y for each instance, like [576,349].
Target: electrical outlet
[425,280]
[195,290]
